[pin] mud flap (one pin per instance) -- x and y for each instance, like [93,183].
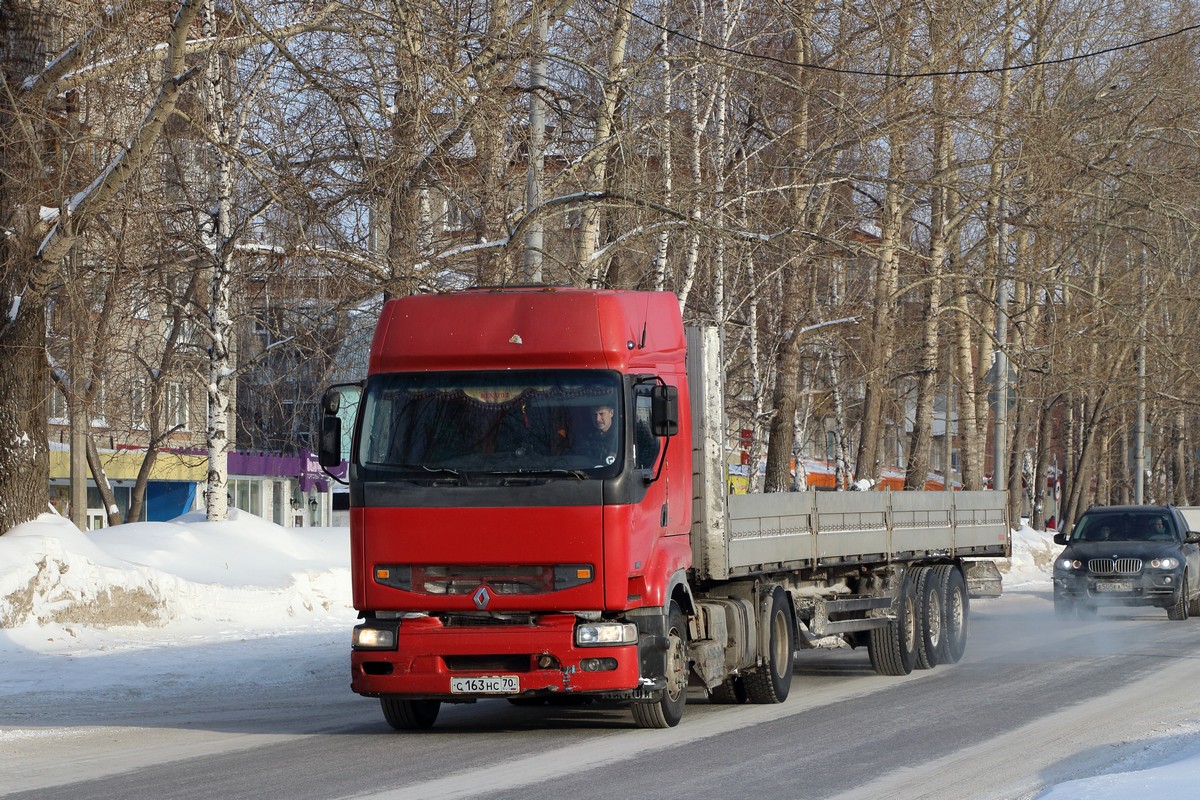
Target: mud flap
[983,579]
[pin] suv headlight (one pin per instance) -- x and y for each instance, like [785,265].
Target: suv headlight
[600,634]
[1068,564]
[1164,563]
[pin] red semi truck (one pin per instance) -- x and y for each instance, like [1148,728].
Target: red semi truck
[539,512]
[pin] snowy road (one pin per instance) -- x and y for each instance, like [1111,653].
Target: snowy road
[1034,703]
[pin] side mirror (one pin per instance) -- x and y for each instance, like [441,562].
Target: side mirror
[329,451]
[1060,539]
[331,401]
[1191,537]
[664,410]
[339,404]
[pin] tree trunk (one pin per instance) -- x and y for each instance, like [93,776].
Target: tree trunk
[782,433]
[24,384]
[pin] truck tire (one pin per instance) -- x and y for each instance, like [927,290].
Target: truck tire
[410,715]
[668,710]
[956,610]
[893,648]
[931,617]
[731,692]
[771,682]
[1179,609]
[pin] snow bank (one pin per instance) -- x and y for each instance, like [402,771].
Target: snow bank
[1032,561]
[134,584]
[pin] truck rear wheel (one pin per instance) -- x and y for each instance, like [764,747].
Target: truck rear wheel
[410,715]
[956,608]
[893,648]
[668,711]
[931,617]
[771,682]
[731,692]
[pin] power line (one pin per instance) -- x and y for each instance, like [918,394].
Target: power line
[906,75]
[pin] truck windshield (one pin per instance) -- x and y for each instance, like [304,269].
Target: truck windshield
[548,422]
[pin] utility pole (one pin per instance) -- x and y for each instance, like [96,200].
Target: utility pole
[1139,445]
[948,443]
[1000,441]
[76,413]
[536,154]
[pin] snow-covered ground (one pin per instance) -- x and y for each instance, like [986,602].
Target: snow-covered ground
[72,603]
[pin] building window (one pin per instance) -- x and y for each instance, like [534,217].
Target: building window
[246,494]
[99,402]
[137,404]
[455,217]
[58,406]
[177,406]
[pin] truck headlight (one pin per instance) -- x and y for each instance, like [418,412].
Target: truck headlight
[599,634]
[1164,563]
[366,638]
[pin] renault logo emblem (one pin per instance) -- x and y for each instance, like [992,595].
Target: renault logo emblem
[482,597]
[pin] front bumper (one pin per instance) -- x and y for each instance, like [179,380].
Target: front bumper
[543,656]
[1145,589]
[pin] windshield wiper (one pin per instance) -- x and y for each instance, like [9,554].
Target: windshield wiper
[540,473]
[458,475]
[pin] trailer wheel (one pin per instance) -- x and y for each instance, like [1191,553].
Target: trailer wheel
[771,682]
[893,648]
[956,606]
[932,618]
[668,710]
[410,715]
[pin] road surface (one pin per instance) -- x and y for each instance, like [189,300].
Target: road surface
[1036,701]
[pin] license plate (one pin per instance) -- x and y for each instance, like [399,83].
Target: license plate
[1114,586]
[492,684]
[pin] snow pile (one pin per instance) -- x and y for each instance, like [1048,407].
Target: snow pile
[1032,561]
[61,589]
[1173,779]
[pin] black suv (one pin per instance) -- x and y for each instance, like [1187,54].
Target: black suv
[1129,555]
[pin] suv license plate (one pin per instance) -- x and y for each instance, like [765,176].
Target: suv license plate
[1114,586]
[492,684]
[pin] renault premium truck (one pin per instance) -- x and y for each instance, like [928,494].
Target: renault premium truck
[539,511]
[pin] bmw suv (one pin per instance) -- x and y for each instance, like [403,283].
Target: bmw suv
[1131,556]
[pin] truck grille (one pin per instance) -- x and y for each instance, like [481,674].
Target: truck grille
[485,620]
[489,663]
[464,579]
[1115,566]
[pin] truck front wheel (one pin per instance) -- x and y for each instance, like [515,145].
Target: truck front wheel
[668,710]
[410,715]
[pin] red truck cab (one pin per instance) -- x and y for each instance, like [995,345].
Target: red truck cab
[520,488]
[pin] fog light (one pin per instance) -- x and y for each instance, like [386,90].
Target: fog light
[547,661]
[598,664]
